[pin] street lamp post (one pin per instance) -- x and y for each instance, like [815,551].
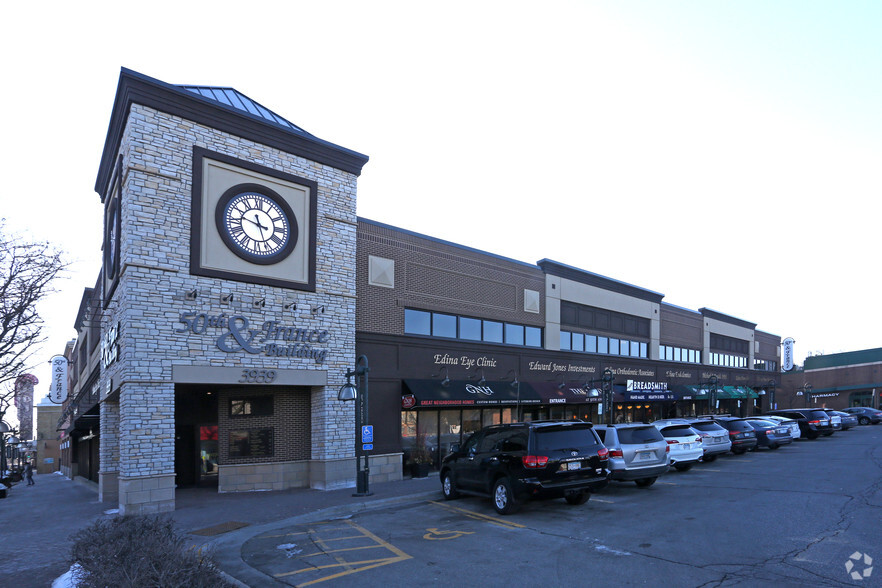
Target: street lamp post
[359,393]
[808,395]
[771,388]
[606,386]
[711,395]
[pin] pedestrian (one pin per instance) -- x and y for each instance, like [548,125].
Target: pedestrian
[29,473]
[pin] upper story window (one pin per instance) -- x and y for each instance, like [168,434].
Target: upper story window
[450,326]
[671,353]
[570,341]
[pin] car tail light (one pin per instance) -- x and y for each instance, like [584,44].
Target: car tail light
[734,434]
[671,441]
[814,422]
[535,461]
[603,453]
[699,438]
[667,448]
[614,453]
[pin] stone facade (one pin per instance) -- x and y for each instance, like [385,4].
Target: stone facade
[138,387]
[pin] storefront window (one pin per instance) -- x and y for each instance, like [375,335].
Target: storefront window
[566,339]
[578,342]
[471,421]
[602,345]
[451,429]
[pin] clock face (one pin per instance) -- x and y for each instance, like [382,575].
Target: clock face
[256,224]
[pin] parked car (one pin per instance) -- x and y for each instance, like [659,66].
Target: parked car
[848,420]
[714,438]
[637,452]
[769,433]
[813,422]
[513,462]
[865,414]
[742,435]
[792,425]
[684,443]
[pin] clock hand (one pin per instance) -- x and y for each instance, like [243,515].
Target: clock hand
[257,222]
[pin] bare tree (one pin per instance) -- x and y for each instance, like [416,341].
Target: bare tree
[27,270]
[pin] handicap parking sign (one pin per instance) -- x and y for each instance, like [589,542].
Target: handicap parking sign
[367,434]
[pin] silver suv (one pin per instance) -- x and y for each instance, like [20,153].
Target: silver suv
[637,452]
[714,438]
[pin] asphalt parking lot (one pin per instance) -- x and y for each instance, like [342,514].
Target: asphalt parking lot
[795,516]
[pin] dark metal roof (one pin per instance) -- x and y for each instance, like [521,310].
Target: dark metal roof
[235,99]
[220,108]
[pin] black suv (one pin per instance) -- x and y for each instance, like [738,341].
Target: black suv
[812,421]
[743,436]
[540,459]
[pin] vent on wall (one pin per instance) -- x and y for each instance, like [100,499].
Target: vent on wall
[381,272]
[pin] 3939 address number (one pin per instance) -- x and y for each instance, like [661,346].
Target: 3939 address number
[257,376]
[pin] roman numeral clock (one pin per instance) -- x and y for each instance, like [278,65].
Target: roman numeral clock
[251,223]
[256,224]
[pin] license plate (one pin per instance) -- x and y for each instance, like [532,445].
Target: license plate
[574,465]
[644,455]
[718,439]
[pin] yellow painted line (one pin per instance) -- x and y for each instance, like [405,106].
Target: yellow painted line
[668,483]
[709,470]
[354,566]
[601,500]
[477,515]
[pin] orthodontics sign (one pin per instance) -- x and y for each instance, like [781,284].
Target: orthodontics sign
[235,333]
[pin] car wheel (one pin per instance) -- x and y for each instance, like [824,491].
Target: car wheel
[864,420]
[448,487]
[503,498]
[645,482]
[827,434]
[683,467]
[738,450]
[709,458]
[812,436]
[577,498]
[774,446]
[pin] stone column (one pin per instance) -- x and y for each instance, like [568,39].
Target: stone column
[146,448]
[108,473]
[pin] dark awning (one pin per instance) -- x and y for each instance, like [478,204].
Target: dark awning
[552,393]
[434,393]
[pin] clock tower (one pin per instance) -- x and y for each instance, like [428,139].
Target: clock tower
[228,284]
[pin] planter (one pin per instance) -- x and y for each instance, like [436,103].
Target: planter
[419,470]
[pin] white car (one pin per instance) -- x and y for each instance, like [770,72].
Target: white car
[792,425]
[683,441]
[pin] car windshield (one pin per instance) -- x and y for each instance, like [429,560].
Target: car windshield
[560,439]
[632,436]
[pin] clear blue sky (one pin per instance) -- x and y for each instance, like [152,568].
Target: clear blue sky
[725,154]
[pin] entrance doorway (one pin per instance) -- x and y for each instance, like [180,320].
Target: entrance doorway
[196,442]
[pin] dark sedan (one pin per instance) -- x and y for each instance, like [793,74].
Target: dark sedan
[848,420]
[741,434]
[770,434]
[865,414]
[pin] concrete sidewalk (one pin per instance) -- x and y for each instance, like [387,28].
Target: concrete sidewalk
[38,521]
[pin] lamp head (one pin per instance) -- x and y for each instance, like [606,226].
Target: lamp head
[348,391]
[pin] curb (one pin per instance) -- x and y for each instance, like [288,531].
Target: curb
[227,549]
